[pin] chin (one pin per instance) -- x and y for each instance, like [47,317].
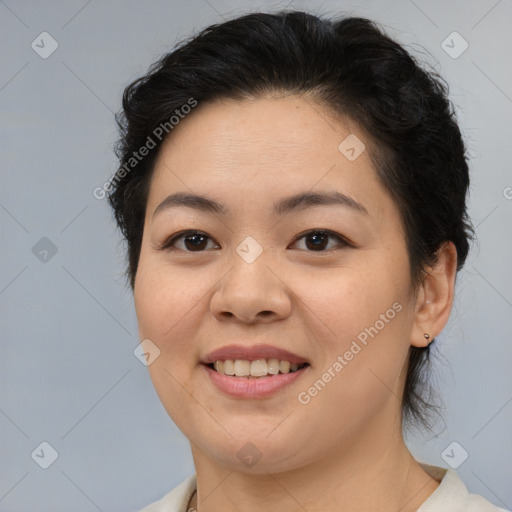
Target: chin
[253,450]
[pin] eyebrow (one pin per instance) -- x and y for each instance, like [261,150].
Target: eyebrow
[286,205]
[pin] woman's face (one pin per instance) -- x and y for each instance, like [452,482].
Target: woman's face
[259,283]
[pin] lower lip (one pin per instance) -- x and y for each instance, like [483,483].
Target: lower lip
[243,387]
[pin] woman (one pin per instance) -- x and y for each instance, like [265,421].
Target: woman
[293,195]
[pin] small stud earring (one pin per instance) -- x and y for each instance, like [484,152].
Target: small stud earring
[427,336]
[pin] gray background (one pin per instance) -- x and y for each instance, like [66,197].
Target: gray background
[68,375]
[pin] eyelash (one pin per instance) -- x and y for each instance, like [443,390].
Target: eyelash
[343,242]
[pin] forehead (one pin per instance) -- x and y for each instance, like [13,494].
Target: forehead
[265,148]
[267,128]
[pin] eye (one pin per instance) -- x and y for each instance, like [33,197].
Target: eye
[318,240]
[196,241]
[193,241]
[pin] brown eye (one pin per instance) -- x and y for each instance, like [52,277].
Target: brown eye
[318,240]
[189,241]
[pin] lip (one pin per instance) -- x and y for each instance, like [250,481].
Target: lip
[252,353]
[243,387]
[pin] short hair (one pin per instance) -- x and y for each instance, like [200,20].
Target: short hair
[353,68]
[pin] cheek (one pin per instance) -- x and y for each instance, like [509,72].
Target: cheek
[350,299]
[365,317]
[167,302]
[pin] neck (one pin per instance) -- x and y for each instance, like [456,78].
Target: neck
[373,472]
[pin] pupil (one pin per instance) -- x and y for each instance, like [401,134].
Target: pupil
[319,238]
[199,240]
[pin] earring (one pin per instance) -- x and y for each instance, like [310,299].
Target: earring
[427,336]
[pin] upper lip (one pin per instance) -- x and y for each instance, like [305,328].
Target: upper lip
[252,353]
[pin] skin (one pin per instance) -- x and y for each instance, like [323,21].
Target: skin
[344,449]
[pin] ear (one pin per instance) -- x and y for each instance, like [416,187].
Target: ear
[435,297]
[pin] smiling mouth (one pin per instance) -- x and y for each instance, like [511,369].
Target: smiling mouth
[259,368]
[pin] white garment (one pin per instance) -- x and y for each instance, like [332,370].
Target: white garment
[451,496]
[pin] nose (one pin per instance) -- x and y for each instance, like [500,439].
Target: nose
[251,293]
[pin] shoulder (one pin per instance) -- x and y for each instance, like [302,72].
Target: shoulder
[453,496]
[176,500]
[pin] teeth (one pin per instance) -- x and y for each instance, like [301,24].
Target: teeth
[257,368]
[273,366]
[229,367]
[284,367]
[242,368]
